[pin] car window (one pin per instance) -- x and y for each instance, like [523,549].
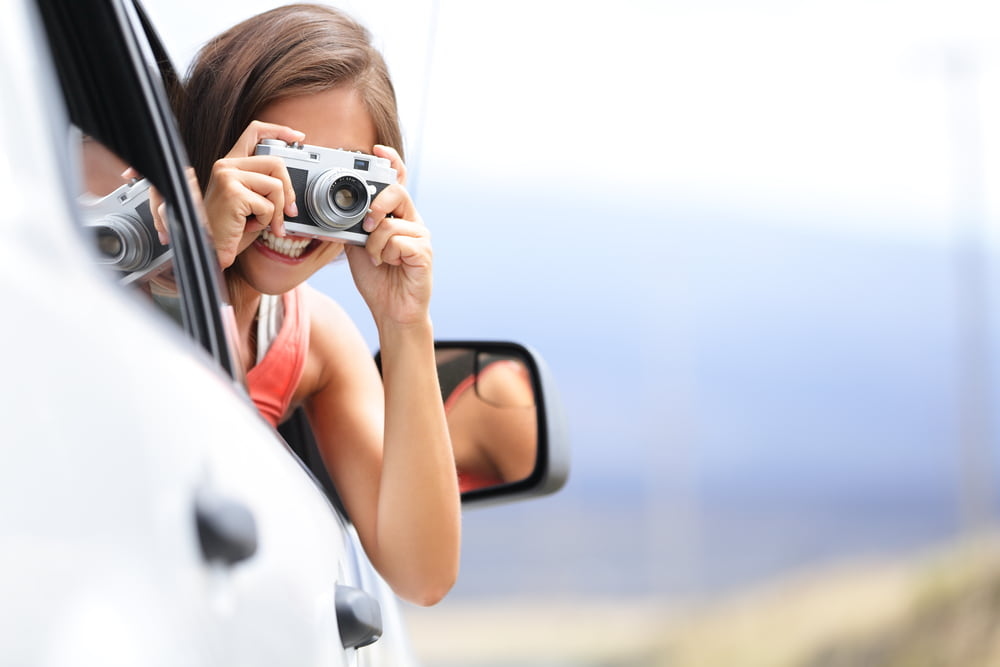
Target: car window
[116,86]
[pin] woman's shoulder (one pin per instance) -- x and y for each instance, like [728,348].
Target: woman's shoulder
[334,338]
[321,305]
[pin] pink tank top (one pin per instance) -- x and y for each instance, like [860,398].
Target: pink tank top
[273,380]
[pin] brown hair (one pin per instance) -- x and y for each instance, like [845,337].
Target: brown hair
[284,52]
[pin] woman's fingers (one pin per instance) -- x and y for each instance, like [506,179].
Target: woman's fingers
[274,197]
[243,156]
[411,251]
[257,131]
[393,243]
[395,161]
[160,223]
[391,214]
[238,179]
[158,209]
[394,201]
[244,201]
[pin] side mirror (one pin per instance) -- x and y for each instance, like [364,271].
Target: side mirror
[505,420]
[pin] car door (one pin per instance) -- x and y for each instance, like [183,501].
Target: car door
[195,532]
[163,521]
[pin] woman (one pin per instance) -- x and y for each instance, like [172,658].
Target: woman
[308,73]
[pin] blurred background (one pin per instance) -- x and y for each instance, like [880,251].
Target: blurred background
[756,243]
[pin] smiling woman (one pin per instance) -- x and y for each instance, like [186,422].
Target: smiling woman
[790,190]
[138,449]
[309,73]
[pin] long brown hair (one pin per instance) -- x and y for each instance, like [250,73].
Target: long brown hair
[284,52]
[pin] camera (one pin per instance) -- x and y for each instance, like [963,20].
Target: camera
[333,188]
[126,239]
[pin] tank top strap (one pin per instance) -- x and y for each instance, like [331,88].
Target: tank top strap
[273,380]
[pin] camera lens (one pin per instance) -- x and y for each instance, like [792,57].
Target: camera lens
[346,194]
[110,243]
[337,199]
[344,198]
[123,241]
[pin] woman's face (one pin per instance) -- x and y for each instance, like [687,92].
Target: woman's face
[336,118]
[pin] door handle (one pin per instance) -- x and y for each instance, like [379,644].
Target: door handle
[227,529]
[359,617]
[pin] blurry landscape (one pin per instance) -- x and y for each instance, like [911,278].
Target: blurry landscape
[765,422]
[756,243]
[940,609]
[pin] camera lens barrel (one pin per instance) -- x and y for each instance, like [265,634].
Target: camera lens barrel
[338,199]
[124,242]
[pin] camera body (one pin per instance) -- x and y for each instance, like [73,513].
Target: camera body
[126,238]
[333,188]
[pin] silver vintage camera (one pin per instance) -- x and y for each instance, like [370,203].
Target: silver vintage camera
[123,229]
[333,188]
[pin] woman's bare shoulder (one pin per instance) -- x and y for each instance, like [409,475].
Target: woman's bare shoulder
[334,339]
[323,308]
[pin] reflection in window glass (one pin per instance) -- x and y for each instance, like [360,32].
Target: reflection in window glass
[117,213]
[102,168]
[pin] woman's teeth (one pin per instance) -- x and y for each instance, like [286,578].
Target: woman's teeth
[291,247]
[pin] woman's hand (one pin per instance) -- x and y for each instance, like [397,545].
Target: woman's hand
[248,192]
[393,270]
[158,207]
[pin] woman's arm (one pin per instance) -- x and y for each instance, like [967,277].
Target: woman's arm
[419,455]
[387,449]
[411,528]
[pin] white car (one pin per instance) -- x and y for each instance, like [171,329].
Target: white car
[149,514]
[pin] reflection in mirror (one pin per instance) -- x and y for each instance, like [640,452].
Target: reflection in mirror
[117,213]
[489,401]
[504,418]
